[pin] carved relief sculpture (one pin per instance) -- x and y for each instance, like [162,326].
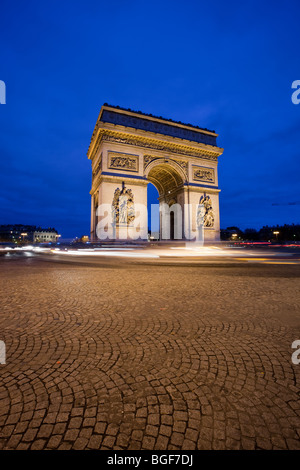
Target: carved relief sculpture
[148,159]
[208,217]
[204,174]
[123,162]
[123,206]
[200,215]
[184,165]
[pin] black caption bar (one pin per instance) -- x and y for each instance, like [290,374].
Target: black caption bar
[124,459]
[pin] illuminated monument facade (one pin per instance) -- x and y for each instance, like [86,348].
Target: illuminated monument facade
[129,149]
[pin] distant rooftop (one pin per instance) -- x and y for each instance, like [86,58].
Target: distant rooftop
[24,227]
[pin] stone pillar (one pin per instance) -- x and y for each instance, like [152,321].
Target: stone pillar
[93,235]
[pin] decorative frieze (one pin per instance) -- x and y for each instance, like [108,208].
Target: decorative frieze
[123,161]
[147,143]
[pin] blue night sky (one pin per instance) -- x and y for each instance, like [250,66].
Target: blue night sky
[227,66]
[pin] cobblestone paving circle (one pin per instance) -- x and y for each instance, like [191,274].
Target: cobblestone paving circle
[133,356]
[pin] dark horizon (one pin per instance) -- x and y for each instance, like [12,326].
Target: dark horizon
[224,67]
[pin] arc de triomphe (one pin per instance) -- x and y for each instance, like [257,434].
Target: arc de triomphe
[129,149]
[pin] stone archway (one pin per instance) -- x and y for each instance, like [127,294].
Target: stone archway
[169,179]
[130,149]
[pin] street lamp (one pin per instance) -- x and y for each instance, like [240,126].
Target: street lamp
[276,234]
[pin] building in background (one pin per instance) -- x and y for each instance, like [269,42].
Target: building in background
[42,235]
[16,233]
[19,233]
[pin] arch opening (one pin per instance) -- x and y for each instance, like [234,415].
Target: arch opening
[165,182]
[153,215]
[165,178]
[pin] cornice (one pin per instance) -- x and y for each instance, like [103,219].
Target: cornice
[200,188]
[117,178]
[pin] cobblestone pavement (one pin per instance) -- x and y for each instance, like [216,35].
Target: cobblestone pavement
[143,356]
